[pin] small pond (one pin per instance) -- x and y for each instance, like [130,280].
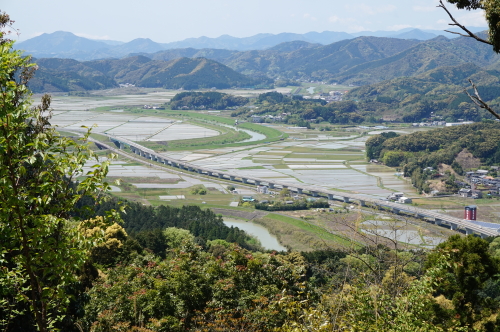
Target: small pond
[267,240]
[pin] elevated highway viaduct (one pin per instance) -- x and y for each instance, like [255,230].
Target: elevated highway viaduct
[315,191]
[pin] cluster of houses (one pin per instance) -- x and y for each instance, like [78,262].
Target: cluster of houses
[480,177]
[399,198]
[262,118]
[126,85]
[328,97]
[441,124]
[153,107]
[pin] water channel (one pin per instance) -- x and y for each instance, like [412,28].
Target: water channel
[267,240]
[311,89]
[254,135]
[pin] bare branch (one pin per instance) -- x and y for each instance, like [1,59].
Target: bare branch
[476,99]
[455,23]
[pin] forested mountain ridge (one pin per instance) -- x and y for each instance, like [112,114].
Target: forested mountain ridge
[66,75]
[321,62]
[437,93]
[62,44]
[361,61]
[424,56]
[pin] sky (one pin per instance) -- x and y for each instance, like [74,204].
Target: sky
[173,20]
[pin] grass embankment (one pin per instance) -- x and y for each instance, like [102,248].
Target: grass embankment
[227,136]
[271,134]
[300,235]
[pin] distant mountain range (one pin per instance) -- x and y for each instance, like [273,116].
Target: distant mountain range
[358,61]
[63,44]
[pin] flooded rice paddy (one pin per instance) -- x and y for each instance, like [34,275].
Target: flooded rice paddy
[401,232]
[333,161]
[134,128]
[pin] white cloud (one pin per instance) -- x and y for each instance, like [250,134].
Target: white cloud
[356,28]
[370,10]
[425,9]
[474,19]
[310,17]
[86,35]
[336,19]
[399,27]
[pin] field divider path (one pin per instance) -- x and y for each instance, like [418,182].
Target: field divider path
[86,119]
[159,131]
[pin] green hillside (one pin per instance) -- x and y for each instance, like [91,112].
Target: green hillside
[63,75]
[317,62]
[68,75]
[437,93]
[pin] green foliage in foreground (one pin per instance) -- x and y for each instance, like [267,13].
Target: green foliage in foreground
[220,287]
[41,252]
[203,224]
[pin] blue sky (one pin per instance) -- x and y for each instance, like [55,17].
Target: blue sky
[173,20]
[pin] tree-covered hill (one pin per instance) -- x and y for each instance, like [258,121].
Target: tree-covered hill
[218,55]
[206,100]
[436,94]
[68,75]
[419,150]
[322,62]
[62,75]
[424,56]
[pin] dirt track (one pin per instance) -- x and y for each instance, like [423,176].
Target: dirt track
[249,215]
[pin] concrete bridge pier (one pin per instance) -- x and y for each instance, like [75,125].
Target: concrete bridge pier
[244,180]
[199,170]
[362,203]
[299,191]
[314,193]
[453,226]
[210,173]
[174,164]
[396,211]
[231,177]
[257,183]
[121,145]
[346,200]
[190,168]
[285,187]
[438,222]
[330,196]
[468,231]
[271,185]
[221,176]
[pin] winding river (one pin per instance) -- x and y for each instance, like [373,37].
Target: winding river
[267,240]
